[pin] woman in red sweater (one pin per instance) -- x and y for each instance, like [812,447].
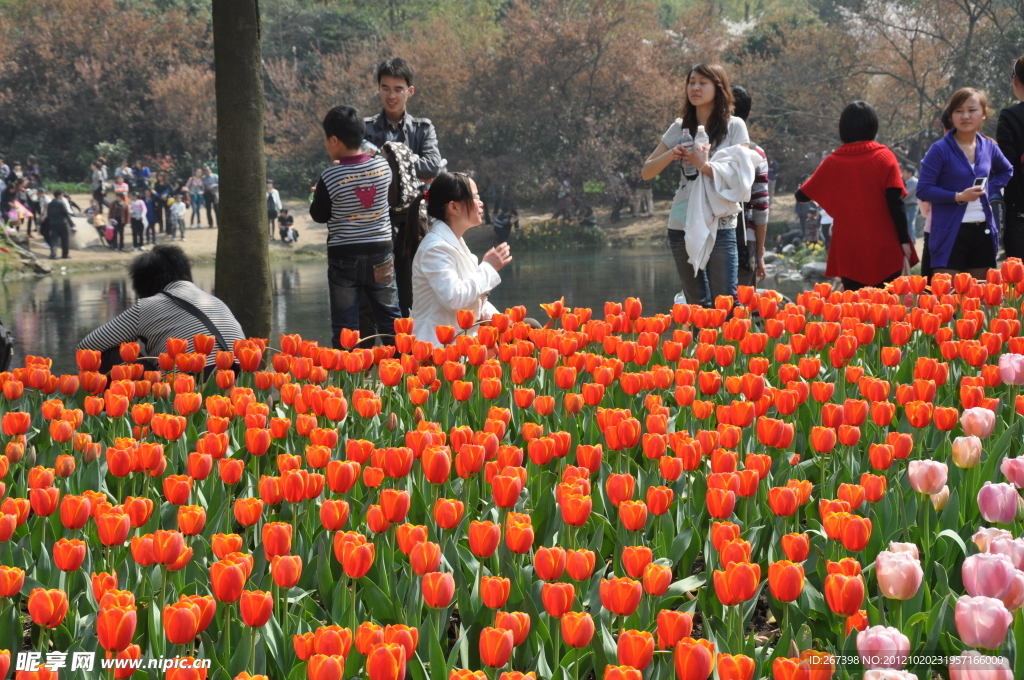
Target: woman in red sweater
[861,187]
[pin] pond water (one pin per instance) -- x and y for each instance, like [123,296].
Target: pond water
[49,315]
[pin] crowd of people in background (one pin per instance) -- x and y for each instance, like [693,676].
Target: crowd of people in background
[132,197]
[151,204]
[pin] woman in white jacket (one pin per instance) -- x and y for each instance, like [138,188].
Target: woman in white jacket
[446,276]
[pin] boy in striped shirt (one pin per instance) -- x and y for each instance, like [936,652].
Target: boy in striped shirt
[352,199]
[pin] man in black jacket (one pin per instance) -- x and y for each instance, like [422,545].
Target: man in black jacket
[1010,137]
[394,124]
[58,219]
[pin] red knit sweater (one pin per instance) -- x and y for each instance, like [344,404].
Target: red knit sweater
[850,185]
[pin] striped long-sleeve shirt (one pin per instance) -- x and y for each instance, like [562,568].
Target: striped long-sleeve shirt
[151,320]
[352,198]
[757,208]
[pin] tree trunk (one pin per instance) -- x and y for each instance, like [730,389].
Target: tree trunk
[243,258]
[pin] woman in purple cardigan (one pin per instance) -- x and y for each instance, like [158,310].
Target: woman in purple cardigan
[960,174]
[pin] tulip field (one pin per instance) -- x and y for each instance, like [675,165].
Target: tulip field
[766,489]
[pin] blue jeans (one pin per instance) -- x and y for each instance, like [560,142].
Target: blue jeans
[719,277]
[373,274]
[911,219]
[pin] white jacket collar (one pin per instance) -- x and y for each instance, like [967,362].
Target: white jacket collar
[445,232]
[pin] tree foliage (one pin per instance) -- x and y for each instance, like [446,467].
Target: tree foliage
[526,93]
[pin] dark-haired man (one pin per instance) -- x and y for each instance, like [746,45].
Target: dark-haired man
[169,306]
[751,230]
[58,219]
[394,124]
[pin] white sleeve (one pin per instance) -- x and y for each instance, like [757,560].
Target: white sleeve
[455,292]
[672,135]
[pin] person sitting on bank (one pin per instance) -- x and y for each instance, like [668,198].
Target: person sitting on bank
[284,223]
[169,305]
[446,276]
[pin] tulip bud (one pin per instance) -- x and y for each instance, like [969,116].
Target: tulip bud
[392,422]
[940,499]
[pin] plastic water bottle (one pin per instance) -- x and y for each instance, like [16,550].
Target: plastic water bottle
[686,141]
[702,139]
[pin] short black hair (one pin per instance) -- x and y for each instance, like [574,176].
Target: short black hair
[284,210]
[57,193]
[345,123]
[396,67]
[740,102]
[152,270]
[858,123]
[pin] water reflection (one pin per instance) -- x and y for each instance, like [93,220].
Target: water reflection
[48,316]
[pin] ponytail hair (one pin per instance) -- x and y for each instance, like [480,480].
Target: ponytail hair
[446,188]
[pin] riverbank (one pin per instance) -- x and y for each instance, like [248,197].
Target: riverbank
[89,253]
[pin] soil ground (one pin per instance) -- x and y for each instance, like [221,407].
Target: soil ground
[89,252]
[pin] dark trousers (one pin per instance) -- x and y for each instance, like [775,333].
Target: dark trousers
[403,280]
[117,243]
[352,278]
[926,259]
[272,221]
[138,233]
[212,200]
[850,284]
[59,234]
[1013,238]
[99,195]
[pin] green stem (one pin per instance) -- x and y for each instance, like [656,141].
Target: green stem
[252,649]
[226,631]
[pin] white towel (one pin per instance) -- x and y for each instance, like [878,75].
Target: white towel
[713,198]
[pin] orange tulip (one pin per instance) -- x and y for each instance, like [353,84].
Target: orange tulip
[47,608]
[181,622]
[286,570]
[620,596]
[577,629]
[694,659]
[495,647]
[635,648]
[672,627]
[844,594]
[255,607]
[386,662]
[558,598]
[737,583]
[786,580]
[735,667]
[438,589]
[494,591]
[115,627]
[227,579]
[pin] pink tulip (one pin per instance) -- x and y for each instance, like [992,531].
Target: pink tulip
[887,674]
[998,502]
[982,621]
[983,537]
[966,667]
[1015,597]
[988,575]
[899,574]
[1013,470]
[978,422]
[940,499]
[905,548]
[1011,369]
[1012,548]
[927,476]
[966,451]
[882,642]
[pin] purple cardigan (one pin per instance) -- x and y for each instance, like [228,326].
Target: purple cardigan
[946,171]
